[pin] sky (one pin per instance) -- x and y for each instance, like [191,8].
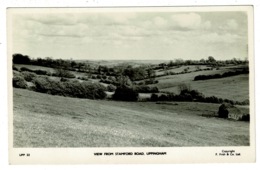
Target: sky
[129,34]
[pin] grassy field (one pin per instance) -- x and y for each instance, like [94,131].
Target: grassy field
[42,120]
[234,88]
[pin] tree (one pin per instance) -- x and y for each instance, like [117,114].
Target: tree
[211,60]
[21,59]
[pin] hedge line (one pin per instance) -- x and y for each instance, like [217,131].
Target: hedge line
[193,95]
[216,76]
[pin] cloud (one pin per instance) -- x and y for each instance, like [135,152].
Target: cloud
[55,19]
[160,22]
[186,21]
[232,24]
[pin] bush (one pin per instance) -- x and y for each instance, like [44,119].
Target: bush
[70,88]
[125,93]
[40,72]
[28,76]
[111,88]
[63,73]
[19,82]
[154,97]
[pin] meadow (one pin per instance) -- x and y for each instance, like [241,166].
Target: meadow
[42,120]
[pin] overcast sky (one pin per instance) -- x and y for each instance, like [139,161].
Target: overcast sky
[130,35]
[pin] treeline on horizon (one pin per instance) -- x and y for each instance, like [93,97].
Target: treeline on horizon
[85,67]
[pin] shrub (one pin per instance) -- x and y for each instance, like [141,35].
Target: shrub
[111,88]
[28,76]
[125,93]
[63,73]
[46,85]
[19,82]
[70,88]
[40,72]
[246,117]
[154,97]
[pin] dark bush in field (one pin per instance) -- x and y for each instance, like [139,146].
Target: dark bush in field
[125,93]
[28,76]
[146,89]
[69,88]
[154,97]
[111,88]
[246,117]
[19,82]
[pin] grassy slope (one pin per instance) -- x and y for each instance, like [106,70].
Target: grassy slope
[234,88]
[42,120]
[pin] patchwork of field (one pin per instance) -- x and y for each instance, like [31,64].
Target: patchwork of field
[42,120]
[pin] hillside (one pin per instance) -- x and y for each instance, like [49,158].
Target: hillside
[42,120]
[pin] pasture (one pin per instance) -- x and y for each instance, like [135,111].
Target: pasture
[42,120]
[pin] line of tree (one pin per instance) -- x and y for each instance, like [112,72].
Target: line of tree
[187,94]
[217,76]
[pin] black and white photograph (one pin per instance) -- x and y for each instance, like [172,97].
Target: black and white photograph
[152,79]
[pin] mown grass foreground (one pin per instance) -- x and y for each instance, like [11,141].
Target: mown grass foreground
[42,120]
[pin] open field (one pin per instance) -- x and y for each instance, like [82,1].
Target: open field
[42,120]
[234,88]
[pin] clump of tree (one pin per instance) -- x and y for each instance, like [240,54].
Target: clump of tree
[71,88]
[21,59]
[63,73]
[19,82]
[28,76]
[125,93]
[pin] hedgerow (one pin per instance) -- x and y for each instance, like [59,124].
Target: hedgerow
[69,88]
